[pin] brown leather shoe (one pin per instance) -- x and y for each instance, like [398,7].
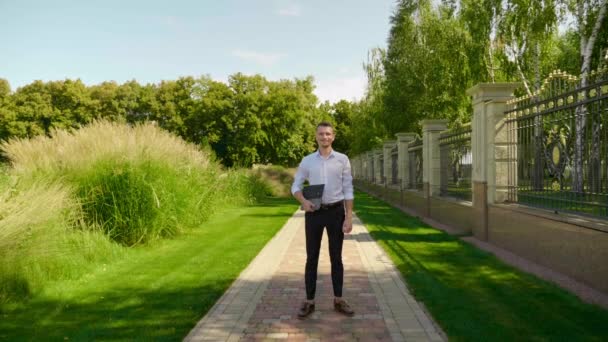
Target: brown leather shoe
[306,309]
[343,307]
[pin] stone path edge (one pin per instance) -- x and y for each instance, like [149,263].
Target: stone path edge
[269,257]
[374,255]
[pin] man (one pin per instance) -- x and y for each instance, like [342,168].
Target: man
[325,166]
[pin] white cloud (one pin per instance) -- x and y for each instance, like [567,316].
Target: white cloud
[291,10]
[265,59]
[340,88]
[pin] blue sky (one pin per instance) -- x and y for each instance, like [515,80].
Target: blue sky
[157,40]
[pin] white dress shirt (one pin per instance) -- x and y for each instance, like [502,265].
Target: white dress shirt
[333,171]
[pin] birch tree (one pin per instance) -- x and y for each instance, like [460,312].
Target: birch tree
[590,16]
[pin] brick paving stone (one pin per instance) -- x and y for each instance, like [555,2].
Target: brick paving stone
[266,297]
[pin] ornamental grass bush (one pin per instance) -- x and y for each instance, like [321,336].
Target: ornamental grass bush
[80,197]
[42,238]
[275,179]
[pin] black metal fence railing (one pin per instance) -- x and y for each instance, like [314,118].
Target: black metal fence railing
[558,145]
[456,163]
[415,164]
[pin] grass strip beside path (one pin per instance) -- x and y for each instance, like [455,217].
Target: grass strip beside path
[470,293]
[158,292]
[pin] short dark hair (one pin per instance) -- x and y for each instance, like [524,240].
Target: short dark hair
[325,124]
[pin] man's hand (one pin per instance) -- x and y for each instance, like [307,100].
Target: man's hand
[308,206]
[347,227]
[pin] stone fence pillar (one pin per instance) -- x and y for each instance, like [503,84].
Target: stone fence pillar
[403,141]
[354,167]
[377,153]
[370,167]
[489,144]
[431,161]
[388,165]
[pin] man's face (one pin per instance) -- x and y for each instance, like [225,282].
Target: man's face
[325,136]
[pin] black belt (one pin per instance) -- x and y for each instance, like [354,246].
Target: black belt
[331,205]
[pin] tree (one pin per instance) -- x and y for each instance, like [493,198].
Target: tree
[369,130]
[7,114]
[427,67]
[34,111]
[213,101]
[173,103]
[590,17]
[342,114]
[482,19]
[5,89]
[289,118]
[527,27]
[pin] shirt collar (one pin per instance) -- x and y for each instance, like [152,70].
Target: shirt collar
[331,154]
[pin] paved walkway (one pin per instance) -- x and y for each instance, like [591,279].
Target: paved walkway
[262,303]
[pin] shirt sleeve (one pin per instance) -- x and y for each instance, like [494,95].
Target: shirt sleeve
[300,177]
[347,181]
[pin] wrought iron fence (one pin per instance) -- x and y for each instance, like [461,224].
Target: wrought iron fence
[456,163]
[558,145]
[394,166]
[415,164]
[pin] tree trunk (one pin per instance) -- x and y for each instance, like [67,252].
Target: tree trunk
[539,146]
[581,111]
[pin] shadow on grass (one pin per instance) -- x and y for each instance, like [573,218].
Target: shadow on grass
[121,314]
[472,294]
[263,215]
[273,201]
[157,293]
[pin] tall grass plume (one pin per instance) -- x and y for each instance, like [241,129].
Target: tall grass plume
[79,197]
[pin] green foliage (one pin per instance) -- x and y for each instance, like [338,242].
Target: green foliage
[341,115]
[368,129]
[274,180]
[568,54]
[5,89]
[248,120]
[427,69]
[265,122]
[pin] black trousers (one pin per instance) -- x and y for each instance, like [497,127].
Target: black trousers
[332,219]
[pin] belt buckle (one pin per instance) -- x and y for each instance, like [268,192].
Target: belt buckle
[328,206]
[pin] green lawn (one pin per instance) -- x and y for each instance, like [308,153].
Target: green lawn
[157,292]
[568,201]
[472,294]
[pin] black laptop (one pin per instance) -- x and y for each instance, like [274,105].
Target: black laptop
[314,193]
